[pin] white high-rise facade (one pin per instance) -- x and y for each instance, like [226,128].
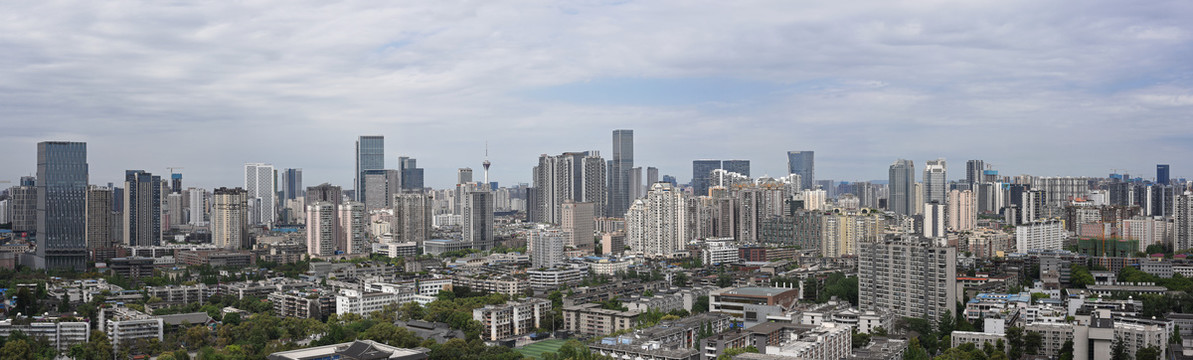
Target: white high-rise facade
[353,222]
[230,218]
[656,225]
[546,248]
[260,185]
[322,228]
[576,176]
[963,210]
[198,206]
[1041,235]
[936,182]
[1183,222]
[934,222]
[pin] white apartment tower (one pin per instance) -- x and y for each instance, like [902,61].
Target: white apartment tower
[547,248]
[353,222]
[907,276]
[963,210]
[322,228]
[656,223]
[936,182]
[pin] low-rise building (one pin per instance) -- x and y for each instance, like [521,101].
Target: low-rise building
[302,304]
[181,294]
[217,258]
[826,342]
[359,350]
[62,335]
[364,303]
[512,319]
[493,284]
[553,278]
[591,319]
[124,326]
[752,304]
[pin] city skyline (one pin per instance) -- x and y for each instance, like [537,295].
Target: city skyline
[855,84]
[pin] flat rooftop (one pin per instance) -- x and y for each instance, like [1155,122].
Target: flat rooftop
[758,291]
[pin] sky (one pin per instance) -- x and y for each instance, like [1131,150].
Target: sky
[1052,88]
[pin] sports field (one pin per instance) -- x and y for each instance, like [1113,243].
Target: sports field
[546,346]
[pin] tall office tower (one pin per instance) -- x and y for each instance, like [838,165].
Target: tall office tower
[936,182]
[464,176]
[174,211]
[61,205]
[737,166]
[370,155]
[230,218]
[199,202]
[412,175]
[578,224]
[907,277]
[175,183]
[802,163]
[963,210]
[656,225]
[353,226]
[259,182]
[100,219]
[23,208]
[27,181]
[671,180]
[1162,174]
[576,176]
[142,208]
[323,228]
[1034,206]
[973,171]
[635,183]
[477,219]
[902,188]
[652,176]
[292,184]
[702,175]
[934,221]
[412,217]
[380,187]
[619,195]
[1183,222]
[547,248]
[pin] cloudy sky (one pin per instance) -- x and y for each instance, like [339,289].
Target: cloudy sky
[1033,87]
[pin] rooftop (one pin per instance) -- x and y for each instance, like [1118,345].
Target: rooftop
[757,291]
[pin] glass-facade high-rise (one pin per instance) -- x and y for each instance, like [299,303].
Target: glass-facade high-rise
[737,166]
[902,188]
[701,170]
[619,172]
[370,155]
[143,208]
[61,205]
[292,184]
[1162,174]
[412,175]
[802,163]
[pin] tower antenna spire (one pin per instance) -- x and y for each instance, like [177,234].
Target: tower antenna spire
[486,163]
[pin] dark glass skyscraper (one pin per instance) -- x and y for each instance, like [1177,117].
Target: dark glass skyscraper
[902,187]
[370,155]
[1162,174]
[143,208]
[701,170]
[292,184]
[619,172]
[412,175]
[737,166]
[802,163]
[61,205]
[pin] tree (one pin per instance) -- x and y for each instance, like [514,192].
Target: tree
[1176,335]
[729,353]
[232,318]
[1151,352]
[1118,351]
[98,347]
[1066,350]
[1015,341]
[1032,343]
[915,351]
[1080,276]
[16,350]
[860,339]
[701,305]
[680,279]
[946,324]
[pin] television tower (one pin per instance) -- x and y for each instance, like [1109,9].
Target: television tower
[486,163]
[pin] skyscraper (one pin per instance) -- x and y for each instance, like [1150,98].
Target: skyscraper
[260,184]
[577,224]
[412,217]
[1162,174]
[142,208]
[292,184]
[353,222]
[701,170]
[380,187]
[370,155]
[464,176]
[100,219]
[175,183]
[963,210]
[802,163]
[412,175]
[576,176]
[737,166]
[547,248]
[230,218]
[652,176]
[1182,219]
[24,207]
[656,225]
[907,277]
[61,205]
[901,199]
[619,193]
[199,204]
[934,220]
[973,171]
[477,219]
[322,228]
[936,182]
